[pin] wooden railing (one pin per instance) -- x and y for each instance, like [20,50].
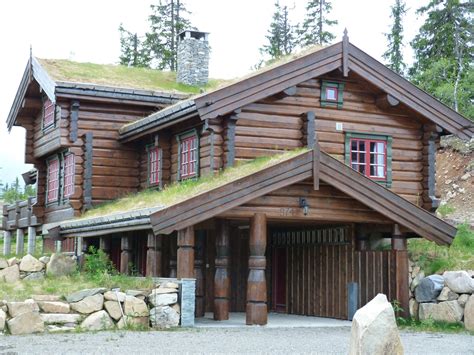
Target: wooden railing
[19,215]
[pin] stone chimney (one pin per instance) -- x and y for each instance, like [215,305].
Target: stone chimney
[193,58]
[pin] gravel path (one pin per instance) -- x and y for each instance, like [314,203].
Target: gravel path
[229,341]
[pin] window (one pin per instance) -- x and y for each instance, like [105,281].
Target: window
[154,165]
[69,175]
[53,181]
[331,94]
[188,155]
[48,113]
[370,155]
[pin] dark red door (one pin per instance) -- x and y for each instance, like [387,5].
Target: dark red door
[279,280]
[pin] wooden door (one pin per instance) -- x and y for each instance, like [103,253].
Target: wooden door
[279,280]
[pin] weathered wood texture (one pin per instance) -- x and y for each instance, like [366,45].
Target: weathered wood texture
[185,257]
[222,275]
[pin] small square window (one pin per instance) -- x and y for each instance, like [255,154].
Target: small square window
[331,94]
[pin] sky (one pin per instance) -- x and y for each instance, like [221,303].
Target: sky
[87,31]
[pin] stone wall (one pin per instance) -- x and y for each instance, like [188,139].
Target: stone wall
[448,297]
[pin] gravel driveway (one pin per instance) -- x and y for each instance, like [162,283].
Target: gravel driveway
[220,341]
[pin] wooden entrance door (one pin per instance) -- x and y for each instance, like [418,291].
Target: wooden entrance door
[279,280]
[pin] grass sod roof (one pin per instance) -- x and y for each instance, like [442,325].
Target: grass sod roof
[181,191]
[119,76]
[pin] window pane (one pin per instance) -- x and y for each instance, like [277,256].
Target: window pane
[361,157]
[353,145]
[331,94]
[380,159]
[362,146]
[362,169]
[353,156]
[380,171]
[380,147]
[372,158]
[372,170]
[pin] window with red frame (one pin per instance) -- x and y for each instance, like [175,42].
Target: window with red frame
[48,113]
[53,180]
[188,157]
[154,161]
[69,175]
[369,157]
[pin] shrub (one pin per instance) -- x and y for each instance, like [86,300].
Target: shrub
[97,263]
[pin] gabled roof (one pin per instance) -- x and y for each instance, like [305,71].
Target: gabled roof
[294,170]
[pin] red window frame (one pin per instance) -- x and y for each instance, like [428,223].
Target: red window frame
[69,169]
[53,181]
[154,161]
[188,157]
[48,113]
[361,157]
[336,91]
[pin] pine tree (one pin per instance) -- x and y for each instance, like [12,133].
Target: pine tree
[394,54]
[281,35]
[133,53]
[313,31]
[443,52]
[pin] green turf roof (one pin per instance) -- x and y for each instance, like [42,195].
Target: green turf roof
[119,76]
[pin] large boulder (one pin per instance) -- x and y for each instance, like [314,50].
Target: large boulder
[98,321]
[133,322]
[449,311]
[113,309]
[60,265]
[51,298]
[58,318]
[80,295]
[429,288]
[164,317]
[447,295]
[462,300]
[3,263]
[30,264]
[17,308]
[469,314]
[3,319]
[113,296]
[158,298]
[459,281]
[89,304]
[54,307]
[44,259]
[135,307]
[374,329]
[34,276]
[26,323]
[10,274]
[413,308]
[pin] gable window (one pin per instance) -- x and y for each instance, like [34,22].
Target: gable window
[53,180]
[48,113]
[331,94]
[69,175]
[154,165]
[188,155]
[370,155]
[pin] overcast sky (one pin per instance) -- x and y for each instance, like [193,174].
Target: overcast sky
[87,31]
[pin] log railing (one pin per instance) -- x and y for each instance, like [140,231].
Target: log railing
[19,215]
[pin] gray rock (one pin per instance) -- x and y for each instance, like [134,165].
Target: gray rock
[469,314]
[17,308]
[44,259]
[459,281]
[51,298]
[112,296]
[54,307]
[59,329]
[133,322]
[463,299]
[447,295]
[98,321]
[80,295]
[12,261]
[449,311]
[26,323]
[10,274]
[113,309]
[374,330]
[3,319]
[35,276]
[164,299]
[58,318]
[164,317]
[60,265]
[3,263]
[429,288]
[135,307]
[136,293]
[89,304]
[169,284]
[30,264]
[413,308]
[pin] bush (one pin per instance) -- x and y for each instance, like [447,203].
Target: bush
[464,238]
[98,264]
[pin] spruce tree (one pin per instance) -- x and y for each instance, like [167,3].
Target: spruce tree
[314,28]
[394,54]
[443,53]
[133,52]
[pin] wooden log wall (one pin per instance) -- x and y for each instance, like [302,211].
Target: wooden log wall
[430,146]
[210,150]
[275,124]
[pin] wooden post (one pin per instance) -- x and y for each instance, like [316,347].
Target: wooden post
[256,310]
[185,267]
[104,244]
[399,247]
[20,241]
[7,242]
[125,255]
[222,278]
[198,273]
[153,255]
[172,255]
[31,240]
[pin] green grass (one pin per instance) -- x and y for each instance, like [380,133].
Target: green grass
[445,209]
[119,75]
[431,325]
[433,258]
[178,192]
[38,247]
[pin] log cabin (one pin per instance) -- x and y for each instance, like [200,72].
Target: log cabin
[274,192]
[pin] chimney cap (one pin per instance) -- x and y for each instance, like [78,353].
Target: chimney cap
[193,34]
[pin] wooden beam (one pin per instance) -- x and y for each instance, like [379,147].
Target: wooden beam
[386,101]
[310,129]
[432,147]
[153,255]
[231,123]
[345,54]
[74,116]
[172,255]
[256,309]
[88,156]
[185,267]
[316,163]
[31,103]
[199,249]
[291,91]
[104,244]
[125,254]
[399,247]
[222,275]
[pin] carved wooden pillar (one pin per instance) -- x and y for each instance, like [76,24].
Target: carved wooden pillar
[399,247]
[125,255]
[104,244]
[198,272]
[185,267]
[172,255]
[222,277]
[153,255]
[256,310]
[20,241]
